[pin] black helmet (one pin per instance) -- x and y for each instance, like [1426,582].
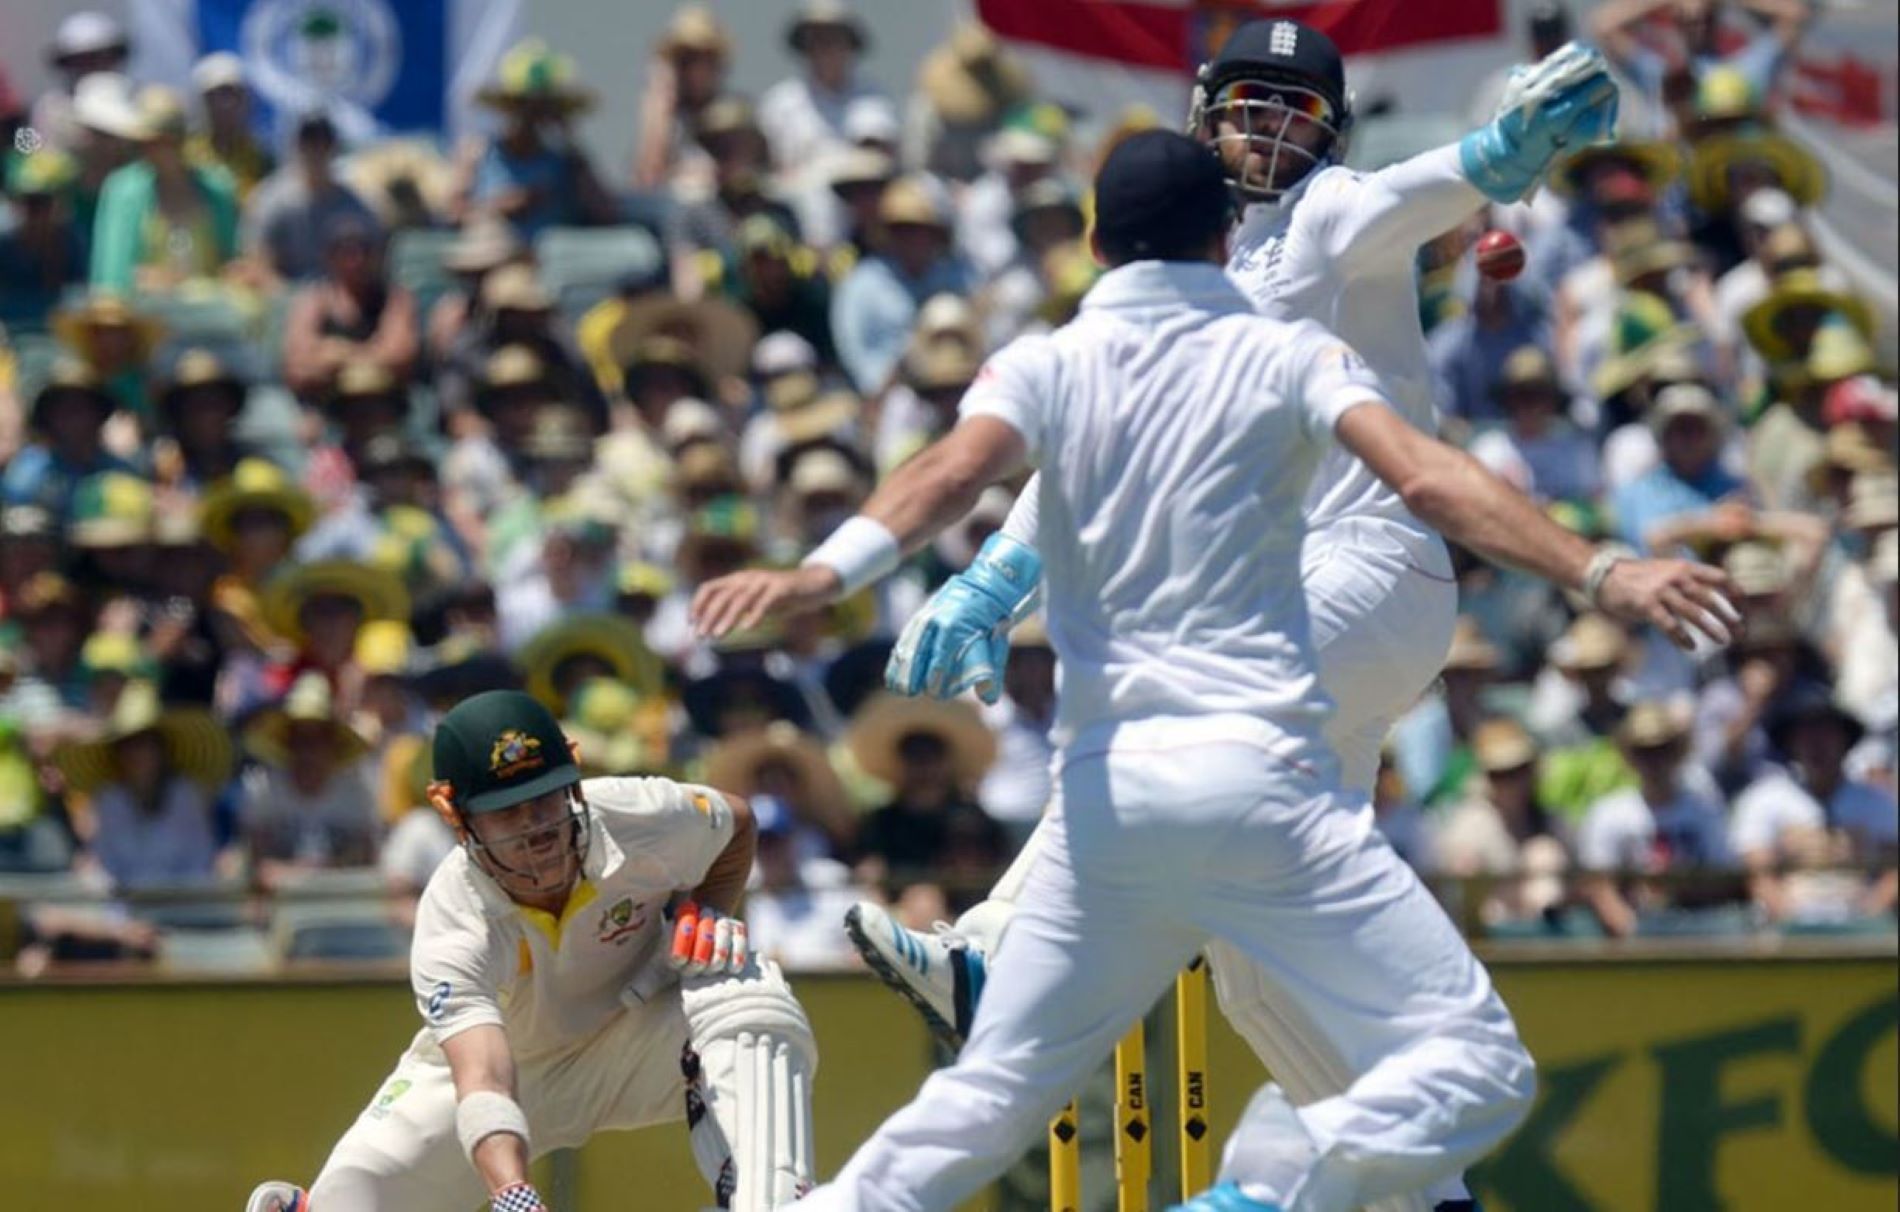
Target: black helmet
[1270,75]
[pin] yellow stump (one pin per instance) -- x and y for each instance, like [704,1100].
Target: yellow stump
[1190,1044]
[1133,1147]
[1065,1160]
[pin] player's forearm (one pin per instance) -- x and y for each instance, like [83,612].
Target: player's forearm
[501,1160]
[1473,507]
[940,485]
[725,879]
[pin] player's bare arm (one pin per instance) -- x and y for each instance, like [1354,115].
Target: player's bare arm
[484,1070]
[1457,495]
[725,879]
[918,501]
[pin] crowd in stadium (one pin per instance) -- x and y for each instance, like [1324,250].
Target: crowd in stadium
[301,444]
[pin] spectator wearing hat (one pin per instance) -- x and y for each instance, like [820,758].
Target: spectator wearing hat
[1538,450]
[804,115]
[163,221]
[1432,742]
[1728,167]
[1470,352]
[320,610]
[55,619]
[922,407]
[109,533]
[1026,149]
[1690,425]
[704,224]
[288,216]
[874,308]
[857,179]
[1788,441]
[1662,825]
[824,487]
[533,173]
[309,803]
[780,282]
[518,311]
[1500,828]
[30,543]
[795,901]
[1810,813]
[1701,47]
[669,350]
[965,87]
[353,313]
[483,244]
[199,403]
[252,517]
[790,767]
[1581,694]
[105,138]
[687,71]
[66,431]
[1877,759]
[1775,243]
[148,783]
[228,140]
[1047,216]
[1601,186]
[567,569]
[43,250]
[1733,709]
[85,43]
[117,341]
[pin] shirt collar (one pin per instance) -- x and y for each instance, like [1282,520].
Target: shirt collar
[1167,286]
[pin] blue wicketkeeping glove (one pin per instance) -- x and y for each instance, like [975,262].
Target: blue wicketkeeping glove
[960,639]
[1567,99]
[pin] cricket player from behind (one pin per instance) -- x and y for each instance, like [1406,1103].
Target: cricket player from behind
[1176,432]
[566,989]
[1315,241]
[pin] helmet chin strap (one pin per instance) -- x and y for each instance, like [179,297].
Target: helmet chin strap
[515,881]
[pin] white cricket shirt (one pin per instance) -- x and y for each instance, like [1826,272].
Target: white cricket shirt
[478,957]
[1341,249]
[1176,431]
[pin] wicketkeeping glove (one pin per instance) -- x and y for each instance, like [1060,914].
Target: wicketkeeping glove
[1566,99]
[960,639]
[707,942]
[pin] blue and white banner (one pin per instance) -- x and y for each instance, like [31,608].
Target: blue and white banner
[378,66]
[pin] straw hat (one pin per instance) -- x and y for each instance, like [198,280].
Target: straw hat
[617,642]
[1592,642]
[1873,501]
[908,200]
[1758,569]
[1839,351]
[219,69]
[972,79]
[1685,400]
[508,368]
[602,719]
[729,520]
[733,765]
[560,433]
[103,102]
[254,484]
[644,579]
[385,647]
[1795,168]
[942,366]
[704,465]
[826,14]
[691,421]
[111,509]
[85,33]
[309,702]
[1645,330]
[515,287]
[378,592]
[861,166]
[718,333]
[1502,744]
[71,379]
[199,369]
[1470,650]
[1652,725]
[1527,366]
[1657,163]
[74,325]
[530,73]
[161,114]
[485,242]
[823,416]
[694,28]
[883,723]
[363,378]
[196,744]
[1639,248]
[1801,288]
[824,470]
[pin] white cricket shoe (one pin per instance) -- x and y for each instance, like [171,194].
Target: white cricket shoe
[940,973]
[278,1197]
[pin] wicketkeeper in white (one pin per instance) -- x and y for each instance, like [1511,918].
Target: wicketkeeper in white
[1314,241]
[1177,432]
[567,989]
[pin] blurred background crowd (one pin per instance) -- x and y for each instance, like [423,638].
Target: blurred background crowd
[306,435]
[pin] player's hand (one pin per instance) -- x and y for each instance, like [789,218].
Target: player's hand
[1678,597]
[960,639]
[707,942]
[743,600]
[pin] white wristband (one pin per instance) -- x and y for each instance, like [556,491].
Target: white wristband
[484,1113]
[1607,557]
[860,551]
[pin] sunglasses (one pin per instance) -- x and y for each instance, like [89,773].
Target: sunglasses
[1302,102]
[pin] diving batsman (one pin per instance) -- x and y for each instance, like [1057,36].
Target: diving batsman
[578,970]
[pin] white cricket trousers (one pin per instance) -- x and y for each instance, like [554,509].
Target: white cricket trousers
[1165,834]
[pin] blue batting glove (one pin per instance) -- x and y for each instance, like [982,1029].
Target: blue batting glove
[1566,100]
[959,641]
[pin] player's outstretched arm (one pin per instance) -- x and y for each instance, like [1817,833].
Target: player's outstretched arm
[930,492]
[1457,495]
[490,1123]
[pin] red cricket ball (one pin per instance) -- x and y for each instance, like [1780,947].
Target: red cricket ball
[1500,256]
